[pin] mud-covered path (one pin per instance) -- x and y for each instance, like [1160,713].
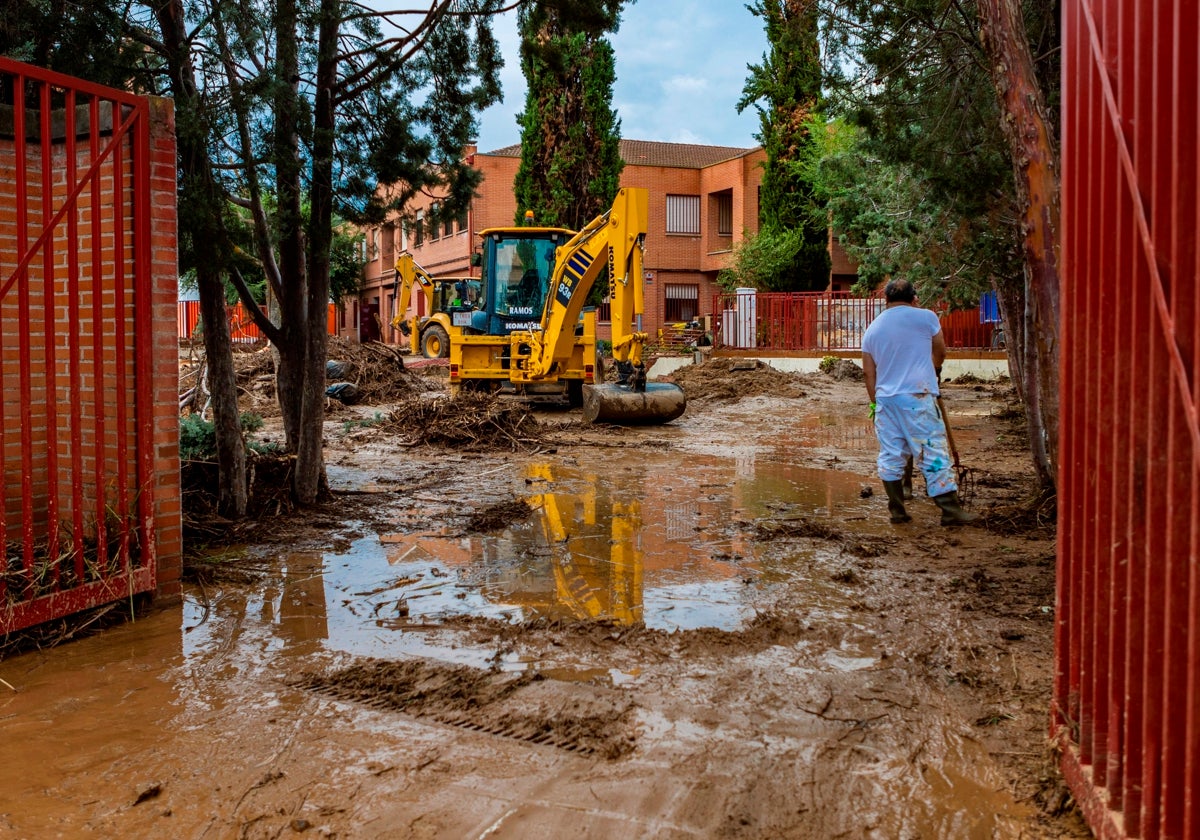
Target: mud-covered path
[748,651]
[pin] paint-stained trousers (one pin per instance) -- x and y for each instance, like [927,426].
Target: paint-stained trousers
[911,424]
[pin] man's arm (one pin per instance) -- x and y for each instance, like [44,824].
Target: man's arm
[869,374]
[939,352]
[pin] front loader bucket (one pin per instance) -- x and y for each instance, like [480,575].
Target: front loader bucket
[609,403]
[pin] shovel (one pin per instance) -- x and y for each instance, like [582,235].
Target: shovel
[949,434]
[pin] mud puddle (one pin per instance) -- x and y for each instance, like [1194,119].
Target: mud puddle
[661,541]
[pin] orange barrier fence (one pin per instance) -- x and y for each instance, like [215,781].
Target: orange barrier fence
[241,326]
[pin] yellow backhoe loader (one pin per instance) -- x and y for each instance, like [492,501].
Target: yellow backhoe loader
[522,327]
[446,300]
[532,334]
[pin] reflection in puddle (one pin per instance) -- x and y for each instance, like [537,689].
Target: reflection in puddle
[833,431]
[655,541]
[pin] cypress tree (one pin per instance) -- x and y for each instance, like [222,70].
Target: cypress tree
[786,89]
[570,137]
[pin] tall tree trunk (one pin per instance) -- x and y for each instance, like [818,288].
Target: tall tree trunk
[310,471]
[1023,362]
[200,209]
[1026,128]
[293,300]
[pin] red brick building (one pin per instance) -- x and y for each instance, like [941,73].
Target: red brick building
[703,200]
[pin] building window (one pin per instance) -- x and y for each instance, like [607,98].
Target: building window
[389,245]
[724,214]
[405,231]
[433,221]
[682,302]
[448,226]
[462,220]
[419,229]
[683,214]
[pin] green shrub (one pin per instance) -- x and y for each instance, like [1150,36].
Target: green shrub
[198,437]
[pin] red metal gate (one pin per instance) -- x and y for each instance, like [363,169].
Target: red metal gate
[1127,698]
[75,342]
[823,321]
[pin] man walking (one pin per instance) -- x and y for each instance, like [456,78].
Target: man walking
[903,350]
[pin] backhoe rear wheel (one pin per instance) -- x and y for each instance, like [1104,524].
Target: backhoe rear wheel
[435,344]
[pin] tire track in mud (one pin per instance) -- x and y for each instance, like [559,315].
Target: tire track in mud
[582,719]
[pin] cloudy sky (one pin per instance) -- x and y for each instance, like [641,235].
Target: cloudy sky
[681,65]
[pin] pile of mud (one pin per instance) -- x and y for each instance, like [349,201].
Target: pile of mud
[732,379]
[843,370]
[376,370]
[499,516]
[590,720]
[468,421]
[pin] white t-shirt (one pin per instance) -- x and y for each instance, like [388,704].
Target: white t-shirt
[900,340]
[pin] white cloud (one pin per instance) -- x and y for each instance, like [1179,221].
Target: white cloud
[684,86]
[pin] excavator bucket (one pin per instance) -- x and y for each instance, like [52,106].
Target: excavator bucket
[609,403]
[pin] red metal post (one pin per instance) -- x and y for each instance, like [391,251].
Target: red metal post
[73,314]
[98,365]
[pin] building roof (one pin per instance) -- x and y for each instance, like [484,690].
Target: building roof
[650,153]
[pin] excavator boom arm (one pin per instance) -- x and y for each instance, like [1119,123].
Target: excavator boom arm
[615,239]
[408,275]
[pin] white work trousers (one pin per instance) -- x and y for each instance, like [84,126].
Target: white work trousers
[910,424]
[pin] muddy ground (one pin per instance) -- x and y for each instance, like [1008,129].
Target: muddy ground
[705,629]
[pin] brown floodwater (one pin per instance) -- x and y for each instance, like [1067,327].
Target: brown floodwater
[168,725]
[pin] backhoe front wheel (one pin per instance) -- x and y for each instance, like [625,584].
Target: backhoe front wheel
[435,344]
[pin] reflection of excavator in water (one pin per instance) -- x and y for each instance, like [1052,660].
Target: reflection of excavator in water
[529,332]
[597,574]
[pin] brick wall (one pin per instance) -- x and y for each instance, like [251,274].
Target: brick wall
[89,412]
[670,258]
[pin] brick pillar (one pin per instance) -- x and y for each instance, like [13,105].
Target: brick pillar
[168,515]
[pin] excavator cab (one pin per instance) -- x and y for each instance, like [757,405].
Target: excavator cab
[518,264]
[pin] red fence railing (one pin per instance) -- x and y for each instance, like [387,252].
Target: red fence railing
[1127,689]
[241,326]
[824,321]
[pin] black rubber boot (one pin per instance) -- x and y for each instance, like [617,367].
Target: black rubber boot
[952,512]
[895,496]
[908,475]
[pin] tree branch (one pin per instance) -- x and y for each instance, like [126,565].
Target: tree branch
[272,332]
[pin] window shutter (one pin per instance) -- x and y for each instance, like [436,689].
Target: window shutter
[725,215]
[683,214]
